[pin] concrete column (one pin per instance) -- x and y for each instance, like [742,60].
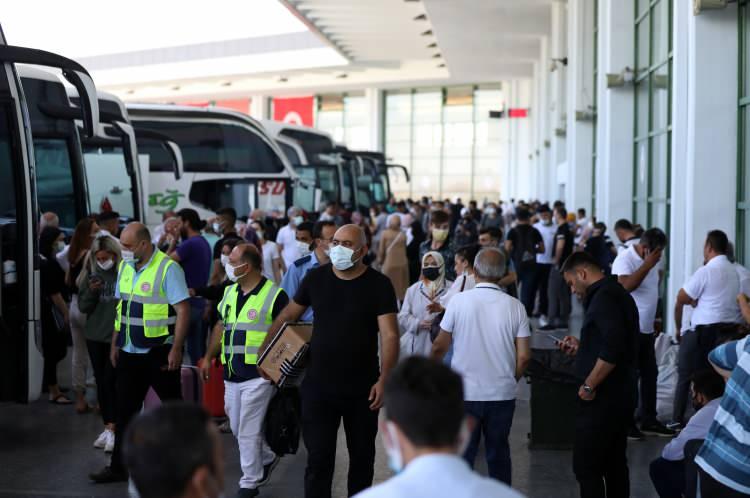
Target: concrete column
[259,106]
[704,136]
[541,115]
[507,188]
[580,99]
[524,142]
[557,122]
[615,113]
[375,111]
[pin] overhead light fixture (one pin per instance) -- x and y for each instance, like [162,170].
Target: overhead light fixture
[176,88]
[441,65]
[226,83]
[342,76]
[432,45]
[427,33]
[282,79]
[421,17]
[437,56]
[130,92]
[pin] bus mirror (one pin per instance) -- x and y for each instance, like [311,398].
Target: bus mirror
[71,70]
[176,153]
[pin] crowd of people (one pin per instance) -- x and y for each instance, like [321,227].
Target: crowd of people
[425,307]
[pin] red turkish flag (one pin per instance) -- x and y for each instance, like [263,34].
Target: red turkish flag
[294,110]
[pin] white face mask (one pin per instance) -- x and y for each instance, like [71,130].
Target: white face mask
[304,248]
[129,256]
[59,246]
[259,233]
[341,257]
[224,259]
[298,220]
[231,272]
[216,227]
[395,459]
[106,265]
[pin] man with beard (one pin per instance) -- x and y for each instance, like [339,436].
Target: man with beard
[194,255]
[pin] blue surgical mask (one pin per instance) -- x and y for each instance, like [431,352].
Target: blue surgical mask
[341,257]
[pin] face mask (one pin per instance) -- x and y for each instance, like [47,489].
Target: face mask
[298,220]
[259,233]
[59,246]
[341,257]
[231,272]
[395,459]
[224,259]
[107,265]
[304,248]
[431,273]
[129,256]
[216,227]
[490,211]
[439,234]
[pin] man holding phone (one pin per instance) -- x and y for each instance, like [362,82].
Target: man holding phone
[637,270]
[605,361]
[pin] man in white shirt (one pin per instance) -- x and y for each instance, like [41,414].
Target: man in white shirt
[286,238]
[712,291]
[544,261]
[626,234]
[668,471]
[424,430]
[489,331]
[637,270]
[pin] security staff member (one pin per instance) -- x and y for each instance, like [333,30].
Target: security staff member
[322,234]
[606,363]
[247,311]
[149,334]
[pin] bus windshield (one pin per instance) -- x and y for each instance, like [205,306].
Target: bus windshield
[108,180]
[54,182]
[380,189]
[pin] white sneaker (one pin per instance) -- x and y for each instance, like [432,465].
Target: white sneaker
[109,447]
[101,441]
[543,321]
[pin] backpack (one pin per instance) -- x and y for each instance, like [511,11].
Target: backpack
[525,254]
[282,424]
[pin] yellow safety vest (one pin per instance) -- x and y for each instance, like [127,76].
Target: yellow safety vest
[245,329]
[143,308]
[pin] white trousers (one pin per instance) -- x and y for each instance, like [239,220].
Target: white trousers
[246,403]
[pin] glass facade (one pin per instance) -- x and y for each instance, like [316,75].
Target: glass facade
[653,113]
[743,129]
[447,141]
[344,116]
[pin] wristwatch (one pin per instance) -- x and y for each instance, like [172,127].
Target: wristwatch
[588,389]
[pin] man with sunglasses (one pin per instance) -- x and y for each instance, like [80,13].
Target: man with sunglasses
[352,304]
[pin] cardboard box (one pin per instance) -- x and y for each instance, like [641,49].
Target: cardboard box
[290,343]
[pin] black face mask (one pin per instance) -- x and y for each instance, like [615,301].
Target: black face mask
[431,273]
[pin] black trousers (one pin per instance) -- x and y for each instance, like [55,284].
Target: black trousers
[104,373]
[711,488]
[648,373]
[135,373]
[541,284]
[321,417]
[668,477]
[599,452]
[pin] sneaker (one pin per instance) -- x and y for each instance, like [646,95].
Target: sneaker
[635,434]
[109,447]
[657,429]
[267,470]
[101,441]
[675,426]
[247,493]
[543,320]
[108,475]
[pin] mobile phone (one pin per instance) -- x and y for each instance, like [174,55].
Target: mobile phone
[555,338]
[94,278]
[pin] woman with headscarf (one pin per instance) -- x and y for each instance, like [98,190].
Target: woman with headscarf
[55,317]
[392,256]
[412,250]
[415,318]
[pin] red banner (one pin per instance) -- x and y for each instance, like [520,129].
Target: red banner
[294,110]
[518,113]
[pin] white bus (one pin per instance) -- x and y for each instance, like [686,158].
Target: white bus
[20,306]
[228,160]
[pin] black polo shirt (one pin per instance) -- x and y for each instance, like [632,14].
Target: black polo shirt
[609,332]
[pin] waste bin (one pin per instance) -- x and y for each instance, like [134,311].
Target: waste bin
[554,391]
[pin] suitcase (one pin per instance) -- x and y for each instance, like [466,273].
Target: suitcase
[192,388]
[213,389]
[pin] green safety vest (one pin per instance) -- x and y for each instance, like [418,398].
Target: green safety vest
[144,309]
[245,329]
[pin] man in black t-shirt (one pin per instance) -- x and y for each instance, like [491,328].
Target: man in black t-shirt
[351,303]
[557,291]
[524,243]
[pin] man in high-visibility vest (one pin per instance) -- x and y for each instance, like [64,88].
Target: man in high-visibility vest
[149,334]
[247,310]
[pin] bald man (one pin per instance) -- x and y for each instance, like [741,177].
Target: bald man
[149,333]
[352,304]
[48,219]
[247,311]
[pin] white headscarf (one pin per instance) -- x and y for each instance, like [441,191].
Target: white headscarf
[436,285]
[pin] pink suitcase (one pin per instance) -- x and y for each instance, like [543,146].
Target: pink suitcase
[192,388]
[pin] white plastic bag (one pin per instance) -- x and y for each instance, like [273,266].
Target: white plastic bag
[666,362]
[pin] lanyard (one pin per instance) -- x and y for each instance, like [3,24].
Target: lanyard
[421,290]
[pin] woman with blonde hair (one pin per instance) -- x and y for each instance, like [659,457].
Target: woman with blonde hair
[416,315]
[96,298]
[392,256]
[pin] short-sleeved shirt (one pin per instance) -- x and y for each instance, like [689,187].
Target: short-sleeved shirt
[563,233]
[195,259]
[548,236]
[173,285]
[484,323]
[646,296]
[344,347]
[525,239]
[287,237]
[281,301]
[715,286]
[270,252]
[293,278]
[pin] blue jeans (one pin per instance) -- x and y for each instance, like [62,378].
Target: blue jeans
[196,336]
[493,419]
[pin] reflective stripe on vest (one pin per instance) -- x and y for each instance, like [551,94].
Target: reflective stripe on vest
[144,307]
[245,331]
